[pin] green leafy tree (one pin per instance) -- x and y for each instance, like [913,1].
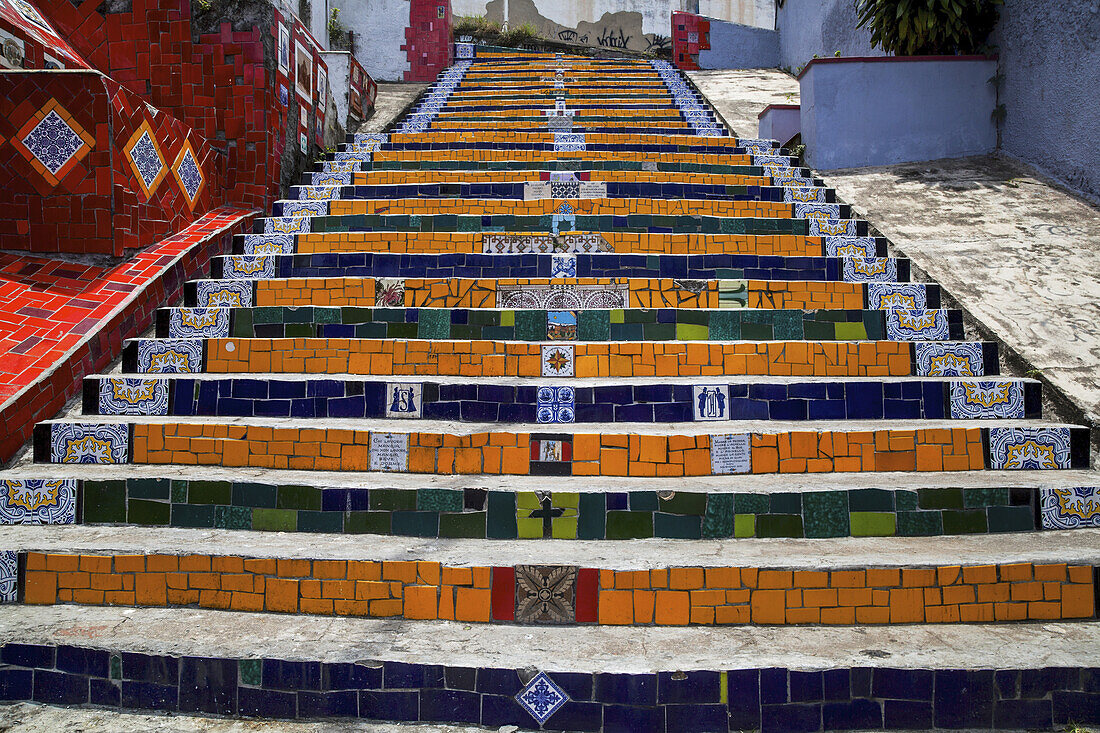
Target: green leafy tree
[928,27]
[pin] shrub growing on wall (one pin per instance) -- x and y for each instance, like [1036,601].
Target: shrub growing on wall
[926,27]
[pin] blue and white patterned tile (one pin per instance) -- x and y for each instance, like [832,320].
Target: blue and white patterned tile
[541,698]
[404,400]
[833,228]
[223,293]
[863,247]
[37,501]
[564,215]
[464,50]
[287,225]
[189,173]
[821,212]
[1070,508]
[979,400]
[304,208]
[569,141]
[1045,448]
[146,159]
[9,576]
[757,142]
[563,266]
[710,402]
[869,269]
[133,396]
[953,359]
[908,296]
[258,244]
[803,194]
[102,443]
[338,166]
[162,356]
[556,405]
[330,179]
[52,142]
[184,323]
[246,267]
[917,325]
[318,193]
[782,161]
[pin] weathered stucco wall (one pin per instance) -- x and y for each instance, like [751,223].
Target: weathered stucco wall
[1050,59]
[379,26]
[635,25]
[822,27]
[738,46]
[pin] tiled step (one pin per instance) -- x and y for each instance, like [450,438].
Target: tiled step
[577,165]
[655,679]
[455,175]
[426,356]
[914,307]
[523,507]
[582,401]
[626,449]
[868,581]
[528,265]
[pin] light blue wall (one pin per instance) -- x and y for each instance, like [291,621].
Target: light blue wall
[882,112]
[822,27]
[736,46]
[1050,58]
[779,123]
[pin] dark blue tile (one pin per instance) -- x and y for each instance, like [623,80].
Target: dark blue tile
[149,696]
[77,660]
[790,718]
[208,685]
[806,686]
[773,686]
[281,674]
[1069,707]
[351,676]
[573,715]
[105,692]
[342,704]
[744,698]
[498,710]
[159,670]
[688,687]
[252,702]
[854,715]
[59,688]
[28,655]
[1027,714]
[837,684]
[1033,682]
[627,689]
[498,681]
[16,684]
[578,685]
[1008,683]
[696,718]
[963,699]
[632,719]
[861,681]
[450,706]
[401,705]
[903,684]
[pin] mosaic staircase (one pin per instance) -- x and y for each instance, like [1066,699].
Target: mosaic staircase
[556,268]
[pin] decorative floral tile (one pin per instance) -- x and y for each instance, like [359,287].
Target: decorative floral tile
[566,142]
[305,208]
[331,179]
[836,228]
[861,247]
[161,356]
[404,400]
[318,193]
[869,269]
[564,297]
[958,359]
[541,698]
[807,194]
[1029,448]
[976,400]
[256,244]
[917,325]
[907,296]
[103,443]
[248,267]
[188,174]
[781,161]
[563,266]
[1070,508]
[338,166]
[52,142]
[287,225]
[821,212]
[145,158]
[223,293]
[389,292]
[37,501]
[9,579]
[555,405]
[198,323]
[545,594]
[132,396]
[557,360]
[710,401]
[464,50]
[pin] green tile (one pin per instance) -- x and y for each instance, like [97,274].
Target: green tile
[985,497]
[416,524]
[143,511]
[940,498]
[787,324]
[590,516]
[508,318]
[905,500]
[1011,519]
[676,526]
[751,503]
[310,521]
[622,525]
[467,524]
[779,525]
[643,501]
[190,515]
[116,667]
[718,519]
[659,331]
[367,522]
[873,524]
[850,332]
[275,520]
[684,502]
[392,500]
[871,500]
[616,315]
[825,514]
[919,524]
[744,525]
[149,488]
[691,332]
[530,325]
[209,492]
[500,524]
[593,325]
[242,322]
[104,502]
[251,672]
[968,521]
[434,323]
[439,500]
[254,495]
[232,517]
[297,497]
[785,503]
[179,492]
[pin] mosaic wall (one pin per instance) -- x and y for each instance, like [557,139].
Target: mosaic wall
[690,35]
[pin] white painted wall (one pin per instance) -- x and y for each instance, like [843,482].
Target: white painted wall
[379,27]
[339,81]
[656,14]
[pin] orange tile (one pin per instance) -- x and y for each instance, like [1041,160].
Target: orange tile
[672,608]
[768,607]
[616,607]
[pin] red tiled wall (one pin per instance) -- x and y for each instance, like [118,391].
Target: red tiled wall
[428,39]
[685,52]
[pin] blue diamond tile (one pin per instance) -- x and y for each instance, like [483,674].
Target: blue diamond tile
[541,698]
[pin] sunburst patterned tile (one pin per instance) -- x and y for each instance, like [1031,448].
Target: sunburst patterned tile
[1044,448]
[162,356]
[104,443]
[37,501]
[130,396]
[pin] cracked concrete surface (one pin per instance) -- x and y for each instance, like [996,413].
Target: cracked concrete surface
[392,100]
[740,95]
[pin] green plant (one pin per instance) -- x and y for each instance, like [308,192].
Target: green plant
[518,35]
[338,33]
[477,26]
[920,27]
